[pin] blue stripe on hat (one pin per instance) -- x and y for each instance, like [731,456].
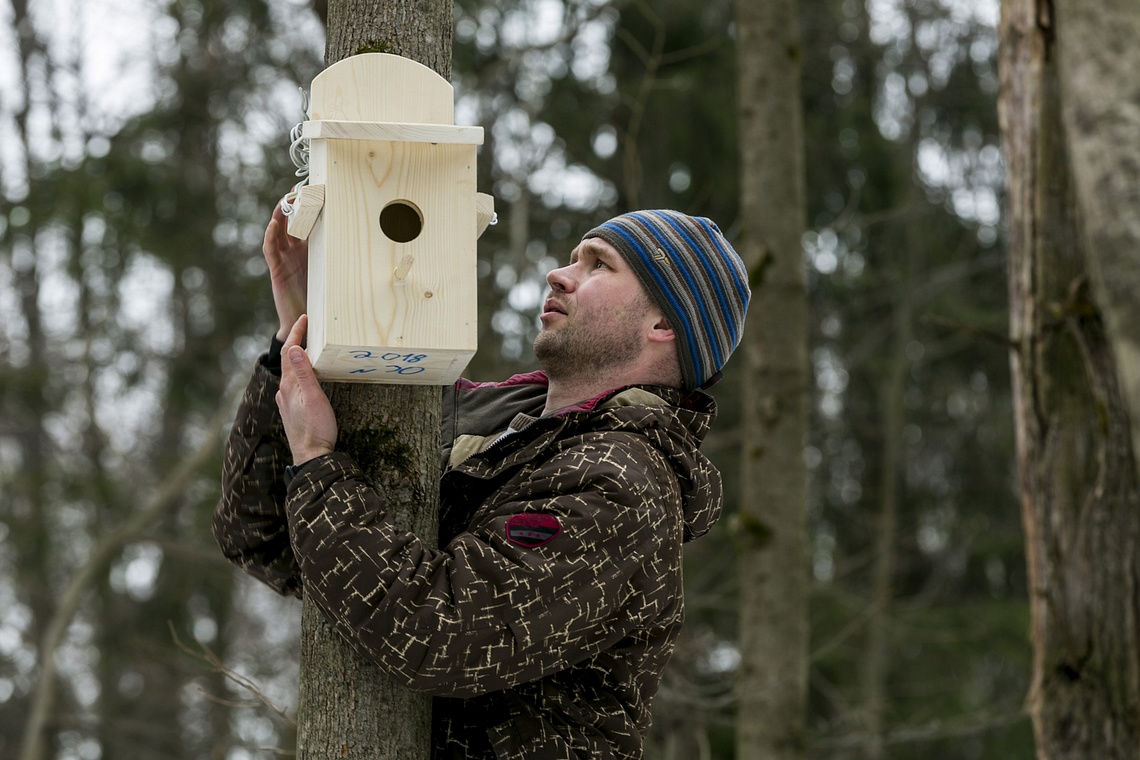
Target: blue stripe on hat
[721,297]
[739,284]
[686,275]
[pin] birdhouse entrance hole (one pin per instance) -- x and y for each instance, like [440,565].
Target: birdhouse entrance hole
[401,221]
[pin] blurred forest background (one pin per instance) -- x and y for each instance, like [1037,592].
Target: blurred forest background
[142,145]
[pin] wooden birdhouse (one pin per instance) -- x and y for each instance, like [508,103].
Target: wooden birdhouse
[392,216]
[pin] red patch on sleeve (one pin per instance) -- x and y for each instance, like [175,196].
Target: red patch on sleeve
[532,529]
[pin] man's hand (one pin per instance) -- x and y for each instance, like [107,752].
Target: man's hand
[310,424]
[288,260]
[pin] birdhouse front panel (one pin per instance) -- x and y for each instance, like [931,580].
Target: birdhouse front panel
[398,296]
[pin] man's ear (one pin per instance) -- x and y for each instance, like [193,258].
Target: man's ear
[661,332]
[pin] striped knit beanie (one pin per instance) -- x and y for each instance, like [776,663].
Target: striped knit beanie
[694,276]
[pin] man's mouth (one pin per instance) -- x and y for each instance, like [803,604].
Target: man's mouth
[552,307]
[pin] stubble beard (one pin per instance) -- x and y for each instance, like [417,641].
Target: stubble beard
[580,351]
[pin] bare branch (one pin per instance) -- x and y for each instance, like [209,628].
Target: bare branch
[217,665]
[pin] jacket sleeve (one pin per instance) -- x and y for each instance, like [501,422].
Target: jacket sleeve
[484,613]
[249,521]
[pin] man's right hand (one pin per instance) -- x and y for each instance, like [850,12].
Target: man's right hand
[288,260]
[306,413]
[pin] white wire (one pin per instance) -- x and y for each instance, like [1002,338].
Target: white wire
[299,153]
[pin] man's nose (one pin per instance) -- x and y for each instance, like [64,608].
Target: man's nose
[560,279]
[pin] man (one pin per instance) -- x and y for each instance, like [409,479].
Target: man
[543,622]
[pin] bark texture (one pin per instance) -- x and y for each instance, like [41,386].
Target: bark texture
[416,29]
[773,564]
[348,707]
[1099,66]
[1076,469]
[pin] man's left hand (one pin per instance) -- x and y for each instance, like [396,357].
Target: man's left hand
[310,424]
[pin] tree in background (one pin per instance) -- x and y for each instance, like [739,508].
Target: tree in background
[918,610]
[1073,244]
[771,524]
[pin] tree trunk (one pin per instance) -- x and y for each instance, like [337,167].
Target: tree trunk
[26,506]
[348,708]
[1077,473]
[875,667]
[773,562]
[1099,65]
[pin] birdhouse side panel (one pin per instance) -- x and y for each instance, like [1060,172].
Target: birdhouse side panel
[317,294]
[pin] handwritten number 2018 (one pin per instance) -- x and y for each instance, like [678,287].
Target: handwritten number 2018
[388,357]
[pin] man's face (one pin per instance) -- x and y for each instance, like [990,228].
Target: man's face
[596,315]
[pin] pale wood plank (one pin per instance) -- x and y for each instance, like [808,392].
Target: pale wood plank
[385,296]
[484,212]
[328,129]
[382,87]
[306,209]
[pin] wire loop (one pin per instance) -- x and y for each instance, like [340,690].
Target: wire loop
[299,153]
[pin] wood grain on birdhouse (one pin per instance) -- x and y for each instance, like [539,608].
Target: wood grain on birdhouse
[392,267]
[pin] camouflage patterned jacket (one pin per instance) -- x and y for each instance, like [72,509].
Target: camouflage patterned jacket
[543,623]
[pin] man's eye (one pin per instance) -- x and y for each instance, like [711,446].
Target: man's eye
[599,263]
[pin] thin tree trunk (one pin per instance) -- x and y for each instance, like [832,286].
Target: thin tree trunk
[773,566]
[875,668]
[26,507]
[1077,473]
[347,707]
